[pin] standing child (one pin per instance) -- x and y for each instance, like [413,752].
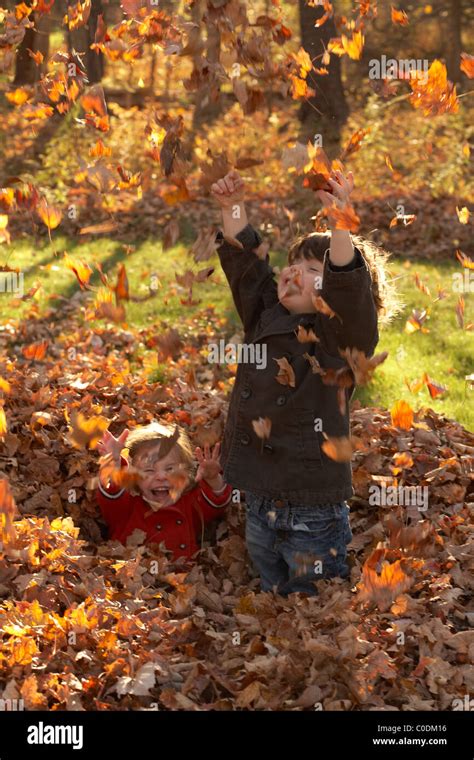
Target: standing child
[165,502]
[297,518]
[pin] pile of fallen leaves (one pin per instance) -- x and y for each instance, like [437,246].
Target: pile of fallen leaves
[90,624]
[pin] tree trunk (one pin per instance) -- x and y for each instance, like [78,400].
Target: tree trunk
[328,108]
[37,39]
[81,39]
[453,40]
[208,104]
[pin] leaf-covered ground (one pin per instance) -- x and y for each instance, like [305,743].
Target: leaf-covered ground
[90,624]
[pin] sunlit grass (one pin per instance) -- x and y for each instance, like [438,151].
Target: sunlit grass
[445,352]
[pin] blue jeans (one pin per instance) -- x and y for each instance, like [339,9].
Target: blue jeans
[293,546]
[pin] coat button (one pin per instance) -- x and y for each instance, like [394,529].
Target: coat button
[158,527]
[246,393]
[179,522]
[182,546]
[268,448]
[281,400]
[245,439]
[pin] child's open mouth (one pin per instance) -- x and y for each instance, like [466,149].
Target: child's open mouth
[160,493]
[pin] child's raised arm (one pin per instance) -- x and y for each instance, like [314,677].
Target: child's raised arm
[250,278]
[229,193]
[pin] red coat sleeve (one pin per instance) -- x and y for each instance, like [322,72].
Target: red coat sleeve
[210,504]
[115,505]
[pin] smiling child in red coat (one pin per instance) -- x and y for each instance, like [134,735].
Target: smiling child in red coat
[158,493]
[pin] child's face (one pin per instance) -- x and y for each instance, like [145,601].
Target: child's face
[156,484]
[297,283]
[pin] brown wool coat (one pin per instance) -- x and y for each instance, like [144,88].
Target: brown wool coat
[290,464]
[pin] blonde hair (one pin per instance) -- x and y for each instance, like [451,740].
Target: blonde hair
[386,299]
[166,436]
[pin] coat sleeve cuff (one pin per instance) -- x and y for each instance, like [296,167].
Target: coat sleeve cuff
[351,276]
[216,499]
[248,236]
[356,262]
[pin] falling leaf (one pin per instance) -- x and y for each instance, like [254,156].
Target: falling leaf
[338,449]
[305,335]
[416,321]
[93,103]
[50,215]
[321,306]
[354,143]
[467,65]
[169,345]
[463,214]
[433,93]
[435,389]
[37,56]
[262,427]
[464,260]
[286,374]
[121,288]
[19,96]
[399,17]
[344,218]
[382,587]
[86,433]
[362,366]
[81,269]
[405,219]
[402,415]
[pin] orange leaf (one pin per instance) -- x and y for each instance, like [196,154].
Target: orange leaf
[324,308]
[50,215]
[121,288]
[433,93]
[338,449]
[402,415]
[18,96]
[86,433]
[306,336]
[35,351]
[81,269]
[399,17]
[467,65]
[382,587]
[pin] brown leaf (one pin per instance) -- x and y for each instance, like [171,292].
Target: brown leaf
[286,374]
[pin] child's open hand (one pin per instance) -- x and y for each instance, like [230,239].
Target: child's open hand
[209,465]
[229,190]
[342,188]
[111,445]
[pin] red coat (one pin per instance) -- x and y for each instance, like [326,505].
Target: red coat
[179,526]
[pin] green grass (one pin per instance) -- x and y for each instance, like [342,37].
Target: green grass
[445,352]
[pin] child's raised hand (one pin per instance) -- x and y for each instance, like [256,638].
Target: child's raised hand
[209,465]
[229,190]
[111,445]
[342,188]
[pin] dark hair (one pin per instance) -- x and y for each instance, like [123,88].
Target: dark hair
[314,245]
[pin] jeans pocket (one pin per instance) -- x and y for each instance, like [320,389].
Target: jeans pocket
[314,519]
